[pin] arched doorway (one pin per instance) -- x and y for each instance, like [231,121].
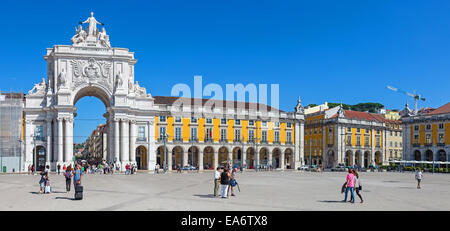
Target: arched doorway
[348,158]
[250,158]
[276,158]
[263,157]
[237,157]
[193,156]
[378,159]
[288,159]
[442,155]
[357,158]
[223,156]
[160,156]
[177,157]
[366,159]
[417,155]
[331,159]
[429,155]
[208,158]
[41,158]
[142,157]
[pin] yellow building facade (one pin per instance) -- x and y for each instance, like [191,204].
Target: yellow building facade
[427,136]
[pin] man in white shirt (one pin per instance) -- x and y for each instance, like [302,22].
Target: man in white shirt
[419,177]
[216,182]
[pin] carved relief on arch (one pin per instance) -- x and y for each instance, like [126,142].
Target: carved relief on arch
[91,71]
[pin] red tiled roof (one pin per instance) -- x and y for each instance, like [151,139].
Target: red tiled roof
[171,99]
[358,115]
[441,110]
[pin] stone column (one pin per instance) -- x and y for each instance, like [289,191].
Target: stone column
[169,159]
[256,156]
[244,157]
[372,146]
[230,156]
[133,141]
[269,158]
[60,140]
[215,159]
[124,139]
[353,158]
[200,160]
[49,141]
[282,160]
[68,143]
[185,158]
[116,140]
[55,141]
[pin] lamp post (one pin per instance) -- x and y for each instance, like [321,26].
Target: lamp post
[165,152]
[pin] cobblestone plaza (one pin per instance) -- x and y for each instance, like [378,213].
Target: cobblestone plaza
[288,190]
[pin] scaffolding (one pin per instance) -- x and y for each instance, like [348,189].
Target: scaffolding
[11,127]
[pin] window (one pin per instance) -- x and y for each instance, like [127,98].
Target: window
[223,134]
[358,130]
[396,144]
[358,140]
[378,141]
[378,132]
[428,127]
[320,130]
[277,136]
[193,120]
[396,133]
[349,129]
[330,130]
[277,124]
[315,131]
[141,133]
[208,120]
[416,139]
[178,133]
[264,136]
[366,131]
[162,119]
[441,126]
[391,133]
[237,135]
[238,122]
[428,138]
[289,125]
[390,144]
[441,138]
[162,132]
[193,133]
[223,121]
[264,123]
[366,141]
[251,123]
[208,134]
[251,135]
[289,137]
[177,119]
[39,132]
[416,128]
[349,140]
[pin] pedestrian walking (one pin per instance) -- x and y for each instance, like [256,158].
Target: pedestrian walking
[224,182]
[216,182]
[68,175]
[358,186]
[419,177]
[350,184]
[232,182]
[77,174]
[58,167]
[157,168]
[48,188]
[42,183]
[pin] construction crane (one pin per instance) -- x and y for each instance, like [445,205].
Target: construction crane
[416,97]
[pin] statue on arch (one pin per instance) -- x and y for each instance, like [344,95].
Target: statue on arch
[62,78]
[104,38]
[119,80]
[92,27]
[80,35]
[38,88]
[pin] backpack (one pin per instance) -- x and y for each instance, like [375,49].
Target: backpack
[68,175]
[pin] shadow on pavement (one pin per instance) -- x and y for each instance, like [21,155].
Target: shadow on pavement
[67,198]
[326,201]
[205,196]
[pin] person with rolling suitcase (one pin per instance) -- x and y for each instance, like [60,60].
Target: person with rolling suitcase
[77,175]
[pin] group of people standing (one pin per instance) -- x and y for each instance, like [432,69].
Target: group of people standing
[69,173]
[352,184]
[226,180]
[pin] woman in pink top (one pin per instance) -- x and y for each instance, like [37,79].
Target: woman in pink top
[350,180]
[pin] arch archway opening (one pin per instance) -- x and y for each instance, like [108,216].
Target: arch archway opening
[142,157]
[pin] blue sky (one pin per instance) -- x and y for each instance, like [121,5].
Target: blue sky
[319,50]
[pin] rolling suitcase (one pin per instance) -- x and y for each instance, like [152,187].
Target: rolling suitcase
[78,192]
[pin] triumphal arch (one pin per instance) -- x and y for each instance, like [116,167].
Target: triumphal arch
[88,67]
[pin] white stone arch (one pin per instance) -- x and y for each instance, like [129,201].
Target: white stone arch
[96,90]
